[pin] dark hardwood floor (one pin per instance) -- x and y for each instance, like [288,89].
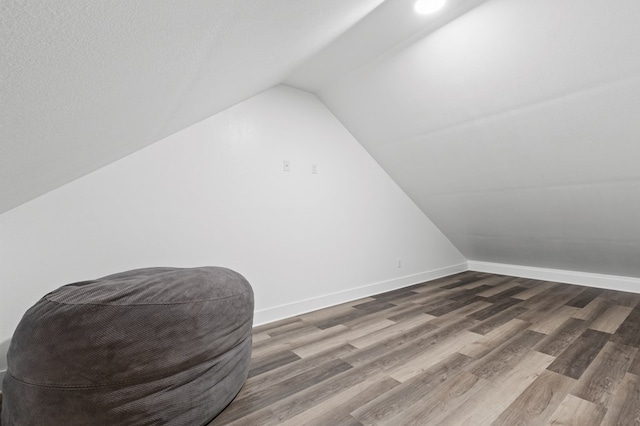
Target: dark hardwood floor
[470,349]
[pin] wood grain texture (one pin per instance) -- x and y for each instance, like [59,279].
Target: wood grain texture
[574,360]
[501,359]
[574,411]
[484,407]
[562,337]
[273,394]
[417,365]
[583,299]
[629,331]
[536,404]
[336,410]
[433,408]
[554,320]
[266,380]
[622,298]
[540,287]
[472,348]
[269,362]
[605,373]
[549,301]
[610,320]
[624,407]
[594,309]
[382,409]
[490,341]
[634,368]
[499,319]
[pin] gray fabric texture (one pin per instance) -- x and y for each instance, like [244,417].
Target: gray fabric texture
[144,347]
[4,347]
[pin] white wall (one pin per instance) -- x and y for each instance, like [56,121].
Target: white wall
[515,129]
[215,194]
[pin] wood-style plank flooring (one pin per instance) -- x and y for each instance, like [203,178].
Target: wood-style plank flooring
[470,349]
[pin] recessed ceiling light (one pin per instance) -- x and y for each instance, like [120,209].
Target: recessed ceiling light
[426,7]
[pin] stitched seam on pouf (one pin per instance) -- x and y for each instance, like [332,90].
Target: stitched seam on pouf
[145,304]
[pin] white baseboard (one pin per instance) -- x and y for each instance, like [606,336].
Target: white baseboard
[612,282]
[275,313]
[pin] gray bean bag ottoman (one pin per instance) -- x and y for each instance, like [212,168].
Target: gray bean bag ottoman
[144,347]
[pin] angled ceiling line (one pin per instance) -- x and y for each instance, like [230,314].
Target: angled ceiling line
[511,110]
[530,188]
[431,27]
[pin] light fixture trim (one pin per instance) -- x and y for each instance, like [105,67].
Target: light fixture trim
[427,7]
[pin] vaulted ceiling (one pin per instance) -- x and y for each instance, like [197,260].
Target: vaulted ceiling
[512,124]
[84,83]
[516,129]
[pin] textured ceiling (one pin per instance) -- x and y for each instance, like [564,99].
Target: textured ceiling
[516,129]
[83,83]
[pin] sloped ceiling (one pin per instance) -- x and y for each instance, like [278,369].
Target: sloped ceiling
[516,129]
[84,83]
[513,124]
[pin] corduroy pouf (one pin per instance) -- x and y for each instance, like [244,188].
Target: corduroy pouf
[149,346]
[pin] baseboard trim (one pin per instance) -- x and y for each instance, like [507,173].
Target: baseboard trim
[276,313]
[611,282]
